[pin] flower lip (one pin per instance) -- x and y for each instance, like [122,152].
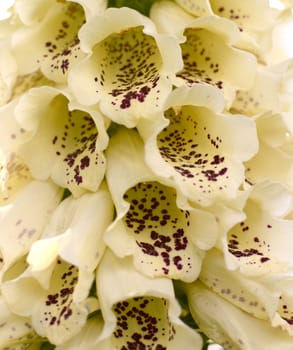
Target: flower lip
[128,70]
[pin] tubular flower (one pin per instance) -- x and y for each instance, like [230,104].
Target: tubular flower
[54,50]
[254,15]
[128,69]
[20,225]
[16,332]
[274,142]
[90,214]
[263,96]
[163,238]
[208,47]
[201,148]
[68,140]
[260,244]
[265,303]
[143,314]
[230,326]
[47,298]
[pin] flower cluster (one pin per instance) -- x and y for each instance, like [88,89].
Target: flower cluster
[146,175]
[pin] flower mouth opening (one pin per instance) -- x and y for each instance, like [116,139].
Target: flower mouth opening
[128,66]
[142,323]
[200,55]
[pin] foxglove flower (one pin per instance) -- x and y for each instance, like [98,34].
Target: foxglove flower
[200,147]
[48,299]
[75,232]
[265,95]
[68,140]
[140,314]
[254,15]
[16,332]
[230,326]
[164,235]
[260,243]
[128,69]
[274,144]
[208,47]
[22,224]
[52,27]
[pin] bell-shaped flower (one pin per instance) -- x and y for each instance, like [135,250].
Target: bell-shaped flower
[209,45]
[265,94]
[230,326]
[128,70]
[252,15]
[275,145]
[261,243]
[198,146]
[16,332]
[75,232]
[53,27]
[143,314]
[55,299]
[164,236]
[25,208]
[268,297]
[68,140]
[256,296]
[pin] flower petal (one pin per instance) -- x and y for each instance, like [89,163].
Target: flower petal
[21,224]
[53,311]
[128,69]
[90,215]
[200,148]
[263,96]
[257,297]
[54,34]
[230,326]
[163,239]
[86,338]
[249,14]
[206,51]
[15,331]
[274,144]
[141,314]
[68,140]
[197,8]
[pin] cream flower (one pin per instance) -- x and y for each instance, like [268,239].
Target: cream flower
[128,69]
[275,144]
[208,52]
[75,232]
[266,302]
[200,147]
[47,298]
[16,332]
[86,338]
[265,94]
[256,296]
[230,326]
[267,298]
[260,244]
[22,224]
[53,27]
[68,140]
[164,235]
[255,15]
[141,314]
